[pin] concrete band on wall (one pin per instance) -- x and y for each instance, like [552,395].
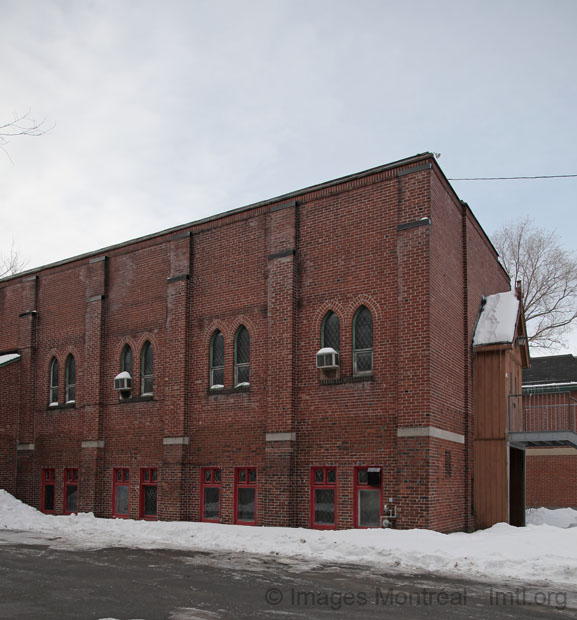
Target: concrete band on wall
[430,431]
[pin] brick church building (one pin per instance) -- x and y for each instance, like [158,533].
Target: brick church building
[303,361]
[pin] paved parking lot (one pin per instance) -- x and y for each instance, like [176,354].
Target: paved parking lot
[37,582]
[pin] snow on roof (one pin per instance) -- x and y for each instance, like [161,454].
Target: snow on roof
[550,385]
[498,320]
[6,358]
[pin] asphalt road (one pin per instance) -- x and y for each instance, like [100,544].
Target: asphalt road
[38,582]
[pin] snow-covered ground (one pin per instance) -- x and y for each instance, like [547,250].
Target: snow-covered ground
[544,552]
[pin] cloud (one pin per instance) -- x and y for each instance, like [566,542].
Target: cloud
[168,113]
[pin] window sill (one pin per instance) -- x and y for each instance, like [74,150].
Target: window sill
[350,379]
[146,398]
[71,405]
[235,390]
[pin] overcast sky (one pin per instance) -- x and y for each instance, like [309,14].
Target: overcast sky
[166,112]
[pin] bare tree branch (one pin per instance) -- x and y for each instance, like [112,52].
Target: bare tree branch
[548,274]
[22,125]
[11,262]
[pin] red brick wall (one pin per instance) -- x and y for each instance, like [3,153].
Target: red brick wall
[276,269]
[551,480]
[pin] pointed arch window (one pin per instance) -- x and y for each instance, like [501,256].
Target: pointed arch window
[242,357]
[54,381]
[363,342]
[217,360]
[126,360]
[147,370]
[70,379]
[331,331]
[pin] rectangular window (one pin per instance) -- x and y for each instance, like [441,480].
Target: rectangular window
[120,493]
[70,491]
[324,497]
[48,491]
[245,490]
[148,493]
[368,496]
[210,495]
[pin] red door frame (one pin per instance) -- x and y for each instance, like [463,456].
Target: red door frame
[70,481]
[314,485]
[245,485]
[152,481]
[48,480]
[124,482]
[208,484]
[356,486]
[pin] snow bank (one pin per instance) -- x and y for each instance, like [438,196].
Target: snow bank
[534,554]
[16,515]
[561,517]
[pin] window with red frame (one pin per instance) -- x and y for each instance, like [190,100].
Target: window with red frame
[368,496]
[120,493]
[324,497]
[245,495]
[70,491]
[48,491]
[148,493]
[210,493]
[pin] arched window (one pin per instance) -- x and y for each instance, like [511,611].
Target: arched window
[217,360]
[363,342]
[242,356]
[54,381]
[147,362]
[126,360]
[70,379]
[331,331]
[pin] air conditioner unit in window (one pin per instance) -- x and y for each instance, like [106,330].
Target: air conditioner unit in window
[123,381]
[123,384]
[327,358]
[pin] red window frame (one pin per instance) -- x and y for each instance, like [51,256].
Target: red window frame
[365,485]
[148,478]
[70,481]
[325,484]
[245,478]
[120,478]
[210,478]
[48,480]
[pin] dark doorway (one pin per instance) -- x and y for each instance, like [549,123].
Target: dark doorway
[516,487]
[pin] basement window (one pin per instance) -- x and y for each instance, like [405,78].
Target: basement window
[48,491]
[121,493]
[368,496]
[70,491]
[148,493]
[324,497]
[210,496]
[245,495]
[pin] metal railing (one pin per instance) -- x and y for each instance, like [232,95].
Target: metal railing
[542,411]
